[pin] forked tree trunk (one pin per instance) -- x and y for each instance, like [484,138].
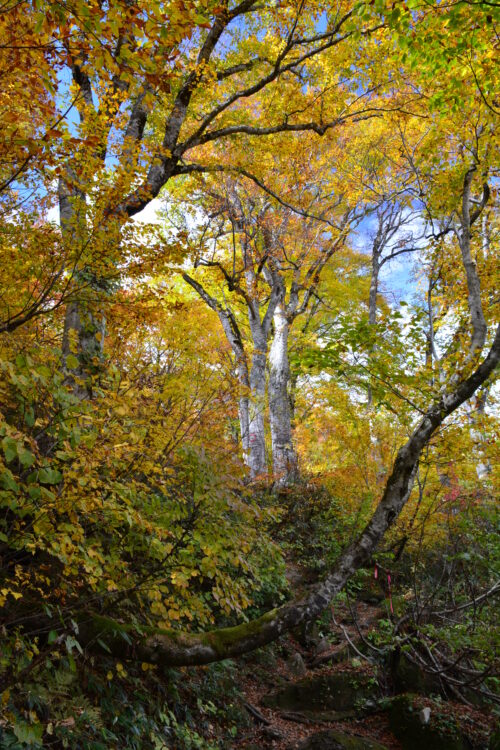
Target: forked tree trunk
[372,302]
[251,401]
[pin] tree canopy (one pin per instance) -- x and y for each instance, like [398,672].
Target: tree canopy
[249,252]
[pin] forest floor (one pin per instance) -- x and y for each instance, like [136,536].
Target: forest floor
[285,730]
[259,682]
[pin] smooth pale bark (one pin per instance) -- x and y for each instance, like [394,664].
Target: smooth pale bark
[84,327]
[372,302]
[169,158]
[244,420]
[174,648]
[257,408]
[284,456]
[243,399]
[252,399]
[83,333]
[290,305]
[260,327]
[473,284]
[171,648]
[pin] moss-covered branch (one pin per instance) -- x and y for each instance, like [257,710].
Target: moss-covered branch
[176,648]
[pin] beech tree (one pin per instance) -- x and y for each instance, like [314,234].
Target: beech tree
[274,266]
[126,528]
[171,648]
[118,85]
[464,377]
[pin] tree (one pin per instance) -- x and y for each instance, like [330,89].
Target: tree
[98,508]
[174,648]
[464,379]
[273,268]
[389,241]
[128,65]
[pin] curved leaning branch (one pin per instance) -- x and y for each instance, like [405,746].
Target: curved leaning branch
[174,648]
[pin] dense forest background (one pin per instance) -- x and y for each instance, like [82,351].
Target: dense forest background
[249,327]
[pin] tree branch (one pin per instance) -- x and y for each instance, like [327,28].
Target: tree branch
[174,648]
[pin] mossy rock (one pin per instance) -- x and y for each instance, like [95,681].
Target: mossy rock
[370,593]
[440,733]
[410,678]
[330,739]
[307,634]
[340,691]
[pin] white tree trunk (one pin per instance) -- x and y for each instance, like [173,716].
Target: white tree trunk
[81,327]
[284,456]
[372,303]
[257,405]
[251,427]
[243,414]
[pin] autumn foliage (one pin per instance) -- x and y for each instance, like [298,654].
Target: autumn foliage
[248,315]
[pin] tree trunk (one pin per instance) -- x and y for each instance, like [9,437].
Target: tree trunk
[83,333]
[473,283]
[372,304]
[283,453]
[244,417]
[257,405]
[372,301]
[233,335]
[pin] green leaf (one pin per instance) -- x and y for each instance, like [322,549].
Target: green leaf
[26,457]
[39,24]
[7,481]
[72,362]
[29,734]
[9,446]
[47,494]
[49,476]
[52,637]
